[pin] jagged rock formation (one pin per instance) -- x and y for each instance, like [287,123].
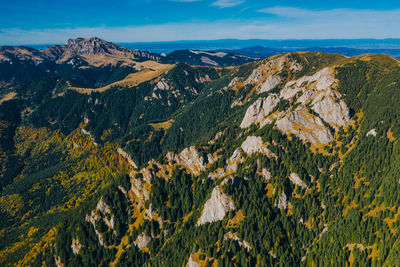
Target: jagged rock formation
[188,158]
[372,132]
[259,110]
[269,83]
[102,211]
[254,144]
[294,178]
[127,157]
[283,203]
[316,91]
[243,243]
[192,263]
[234,160]
[266,174]
[94,46]
[76,246]
[216,207]
[306,126]
[142,241]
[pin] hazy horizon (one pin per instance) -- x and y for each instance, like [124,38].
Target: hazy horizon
[47,22]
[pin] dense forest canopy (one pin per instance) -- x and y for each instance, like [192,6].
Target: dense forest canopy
[292,160]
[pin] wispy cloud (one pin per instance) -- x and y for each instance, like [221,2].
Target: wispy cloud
[278,23]
[227,3]
[336,23]
[185,1]
[335,15]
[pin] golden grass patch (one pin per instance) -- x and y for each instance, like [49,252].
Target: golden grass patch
[130,80]
[352,205]
[235,221]
[162,125]
[390,135]
[9,96]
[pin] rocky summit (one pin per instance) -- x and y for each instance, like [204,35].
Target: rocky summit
[120,157]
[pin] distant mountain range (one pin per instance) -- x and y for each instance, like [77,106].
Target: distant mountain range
[112,156]
[263,52]
[22,64]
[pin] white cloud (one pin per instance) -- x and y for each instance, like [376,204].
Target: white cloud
[227,3]
[280,23]
[336,23]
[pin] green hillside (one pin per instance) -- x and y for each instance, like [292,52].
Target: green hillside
[288,161]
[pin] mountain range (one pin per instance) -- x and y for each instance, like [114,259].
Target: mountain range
[118,157]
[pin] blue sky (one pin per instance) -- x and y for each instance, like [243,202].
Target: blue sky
[54,21]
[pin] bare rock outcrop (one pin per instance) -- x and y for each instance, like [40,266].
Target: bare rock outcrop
[142,241]
[162,85]
[295,179]
[138,184]
[254,77]
[234,160]
[192,263]
[254,144]
[306,126]
[371,133]
[216,207]
[189,158]
[76,246]
[259,110]
[101,212]
[243,244]
[283,203]
[333,111]
[127,157]
[265,174]
[269,83]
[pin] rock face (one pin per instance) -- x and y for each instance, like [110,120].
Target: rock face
[189,158]
[266,174]
[269,83]
[142,241]
[371,133]
[254,144]
[209,61]
[127,157]
[76,246]
[234,160]
[216,207]
[315,97]
[259,110]
[162,85]
[89,46]
[138,185]
[243,243]
[332,111]
[192,263]
[254,77]
[283,203]
[294,178]
[94,46]
[306,126]
[101,212]
[320,81]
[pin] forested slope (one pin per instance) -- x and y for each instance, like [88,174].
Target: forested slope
[292,160]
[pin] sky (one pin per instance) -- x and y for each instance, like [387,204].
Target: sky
[54,21]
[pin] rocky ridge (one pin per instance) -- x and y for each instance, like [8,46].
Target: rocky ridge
[316,100]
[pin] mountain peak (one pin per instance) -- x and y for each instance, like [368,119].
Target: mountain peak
[88,46]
